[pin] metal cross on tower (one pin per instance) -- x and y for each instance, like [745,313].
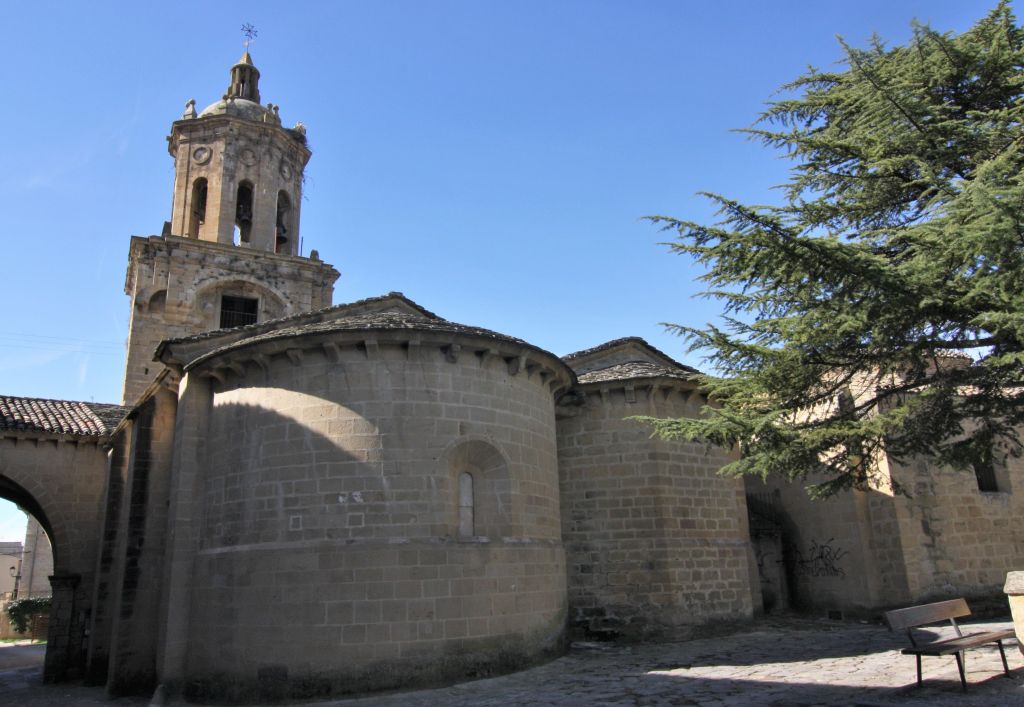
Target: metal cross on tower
[249,31]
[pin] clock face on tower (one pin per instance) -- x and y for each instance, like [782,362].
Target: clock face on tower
[202,154]
[286,170]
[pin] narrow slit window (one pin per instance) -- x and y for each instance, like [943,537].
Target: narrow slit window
[237,311]
[466,519]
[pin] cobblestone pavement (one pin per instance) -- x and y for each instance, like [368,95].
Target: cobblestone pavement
[777,663]
[773,663]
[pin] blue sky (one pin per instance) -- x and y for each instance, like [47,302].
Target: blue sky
[493,161]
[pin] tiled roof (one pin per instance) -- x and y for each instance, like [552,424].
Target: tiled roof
[568,358]
[608,345]
[378,321]
[647,362]
[62,417]
[635,369]
[372,321]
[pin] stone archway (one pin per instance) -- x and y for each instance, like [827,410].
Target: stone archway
[57,473]
[16,494]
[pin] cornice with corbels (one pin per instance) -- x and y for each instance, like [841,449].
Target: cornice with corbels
[253,361]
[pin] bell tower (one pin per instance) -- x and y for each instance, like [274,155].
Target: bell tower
[230,255]
[238,172]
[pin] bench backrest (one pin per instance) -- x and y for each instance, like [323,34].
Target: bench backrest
[915,616]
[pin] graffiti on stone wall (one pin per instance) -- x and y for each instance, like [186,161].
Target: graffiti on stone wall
[821,560]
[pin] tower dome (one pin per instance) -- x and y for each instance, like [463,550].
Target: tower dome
[242,98]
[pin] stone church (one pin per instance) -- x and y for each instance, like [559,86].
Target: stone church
[296,499]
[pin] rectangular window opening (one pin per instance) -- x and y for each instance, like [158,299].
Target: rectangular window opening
[985,471]
[237,311]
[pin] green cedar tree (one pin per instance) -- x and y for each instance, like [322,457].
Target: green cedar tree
[881,304]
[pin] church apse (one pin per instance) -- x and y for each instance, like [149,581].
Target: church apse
[330,490]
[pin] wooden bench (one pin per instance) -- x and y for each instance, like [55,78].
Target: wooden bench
[915,617]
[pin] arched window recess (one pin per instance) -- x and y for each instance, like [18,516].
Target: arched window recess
[243,213]
[197,208]
[283,225]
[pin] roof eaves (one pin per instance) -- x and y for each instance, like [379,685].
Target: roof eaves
[61,418]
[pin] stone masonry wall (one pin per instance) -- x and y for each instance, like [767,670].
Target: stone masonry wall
[958,540]
[105,585]
[865,550]
[137,571]
[176,283]
[37,565]
[225,150]
[827,552]
[330,557]
[656,541]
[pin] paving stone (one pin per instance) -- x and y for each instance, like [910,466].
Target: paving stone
[788,663]
[782,662]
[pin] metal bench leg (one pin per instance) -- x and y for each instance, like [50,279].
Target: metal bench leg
[960,660]
[1002,654]
[918,656]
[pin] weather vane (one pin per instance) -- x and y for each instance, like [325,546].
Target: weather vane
[249,31]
